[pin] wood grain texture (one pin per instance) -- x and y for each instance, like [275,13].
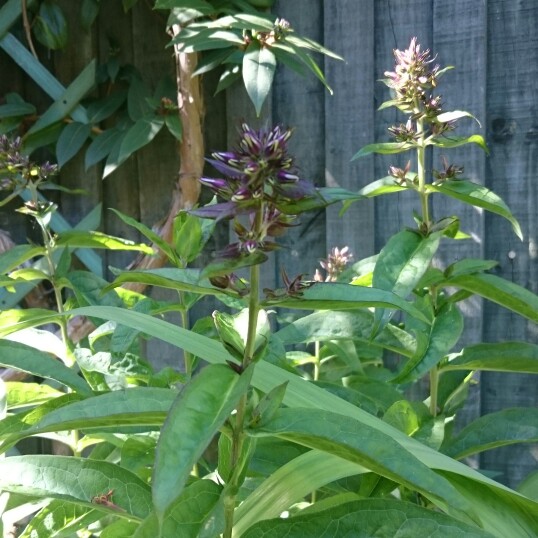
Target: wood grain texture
[396,22]
[299,103]
[512,123]
[463,88]
[349,120]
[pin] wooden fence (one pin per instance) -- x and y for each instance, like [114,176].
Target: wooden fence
[493,45]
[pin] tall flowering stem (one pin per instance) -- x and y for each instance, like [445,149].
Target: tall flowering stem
[259,184]
[413,81]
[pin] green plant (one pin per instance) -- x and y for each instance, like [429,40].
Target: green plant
[376,460]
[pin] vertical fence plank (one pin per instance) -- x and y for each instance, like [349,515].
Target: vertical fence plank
[67,66]
[349,120]
[299,103]
[463,88]
[511,172]
[396,22]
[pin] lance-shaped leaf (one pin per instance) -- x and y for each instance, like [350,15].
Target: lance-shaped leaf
[401,264]
[384,148]
[443,335]
[166,277]
[456,141]
[500,291]
[78,481]
[23,394]
[80,239]
[137,406]
[339,296]
[506,427]
[30,360]
[17,255]
[198,412]
[71,140]
[355,325]
[60,518]
[495,357]
[187,515]
[349,439]
[478,196]
[259,65]
[289,484]
[374,517]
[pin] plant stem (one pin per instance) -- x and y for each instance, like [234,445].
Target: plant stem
[421,176]
[421,172]
[434,384]
[238,434]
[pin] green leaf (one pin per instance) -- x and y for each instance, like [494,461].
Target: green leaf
[290,483]
[167,277]
[101,146]
[13,110]
[32,361]
[71,140]
[403,261]
[503,515]
[148,233]
[22,394]
[60,518]
[88,13]
[259,65]
[17,255]
[401,264]
[77,481]
[506,427]
[443,335]
[338,296]
[82,239]
[225,266]
[496,357]
[306,43]
[188,236]
[50,26]
[454,115]
[456,141]
[174,126]
[136,406]
[469,266]
[357,325]
[385,185]
[355,441]
[67,102]
[198,412]
[384,148]
[200,5]
[374,517]
[103,108]
[500,291]
[529,486]
[187,515]
[139,135]
[478,196]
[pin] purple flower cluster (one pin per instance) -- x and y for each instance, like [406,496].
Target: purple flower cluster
[258,181]
[16,169]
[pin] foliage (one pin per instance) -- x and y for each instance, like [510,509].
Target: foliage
[306,419]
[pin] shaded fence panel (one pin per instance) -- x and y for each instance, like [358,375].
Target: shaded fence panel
[495,50]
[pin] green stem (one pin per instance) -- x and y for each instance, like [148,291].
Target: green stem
[434,385]
[421,172]
[238,434]
[188,359]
